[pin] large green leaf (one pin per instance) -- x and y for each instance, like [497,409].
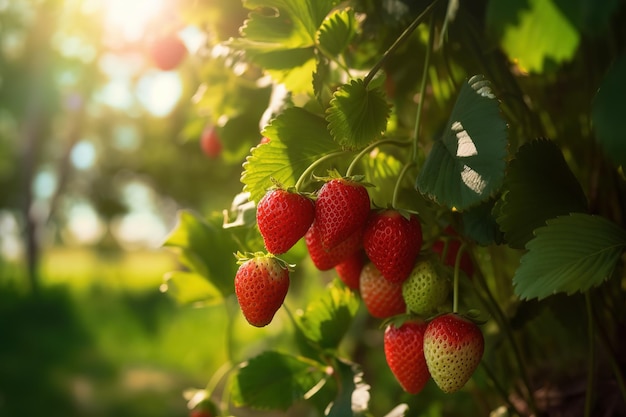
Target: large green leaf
[466,165]
[539,186]
[337,31]
[357,114]
[609,108]
[206,249]
[279,35]
[570,254]
[274,380]
[533,33]
[326,320]
[297,139]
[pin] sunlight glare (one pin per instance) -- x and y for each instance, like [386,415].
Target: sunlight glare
[159,92]
[130,18]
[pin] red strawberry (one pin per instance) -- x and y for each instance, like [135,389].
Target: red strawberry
[328,259]
[210,142]
[382,298]
[453,348]
[167,51]
[261,284]
[341,208]
[283,218]
[404,352]
[454,245]
[392,242]
[349,270]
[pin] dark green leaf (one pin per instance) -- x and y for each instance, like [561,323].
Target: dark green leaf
[190,288]
[353,394]
[337,31]
[276,380]
[570,254]
[539,186]
[206,249]
[480,226]
[609,108]
[466,165]
[326,320]
[357,115]
[517,24]
[297,139]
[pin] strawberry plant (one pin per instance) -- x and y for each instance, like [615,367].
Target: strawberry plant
[421,117]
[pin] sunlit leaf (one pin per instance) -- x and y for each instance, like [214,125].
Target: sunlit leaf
[570,254]
[297,139]
[517,24]
[539,186]
[466,165]
[381,170]
[337,31]
[274,381]
[190,288]
[206,249]
[609,108]
[357,114]
[353,394]
[327,319]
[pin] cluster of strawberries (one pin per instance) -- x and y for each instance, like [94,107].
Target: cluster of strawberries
[376,252]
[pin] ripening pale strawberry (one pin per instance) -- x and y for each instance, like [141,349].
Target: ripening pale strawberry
[453,348]
[404,352]
[341,208]
[261,284]
[392,242]
[381,297]
[283,218]
[350,269]
[328,259]
[426,288]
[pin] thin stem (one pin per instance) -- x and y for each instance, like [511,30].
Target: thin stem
[307,172]
[457,267]
[590,358]
[369,148]
[403,37]
[499,388]
[422,91]
[396,188]
[219,374]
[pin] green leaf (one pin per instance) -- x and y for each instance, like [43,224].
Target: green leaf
[297,139]
[466,165]
[326,320]
[480,226]
[518,24]
[279,36]
[609,108]
[570,254]
[274,380]
[539,186]
[382,170]
[357,115]
[206,249]
[353,394]
[337,31]
[190,288]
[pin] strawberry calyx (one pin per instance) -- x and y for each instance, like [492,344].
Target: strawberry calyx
[333,174]
[243,257]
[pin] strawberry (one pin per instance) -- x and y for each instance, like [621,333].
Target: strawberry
[381,297]
[454,245]
[453,348]
[426,288]
[349,270]
[261,284]
[404,352]
[392,242]
[341,208]
[328,259]
[283,217]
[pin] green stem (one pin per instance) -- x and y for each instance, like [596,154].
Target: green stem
[307,172]
[504,325]
[499,388]
[369,148]
[403,37]
[422,92]
[590,358]
[219,374]
[396,188]
[455,290]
